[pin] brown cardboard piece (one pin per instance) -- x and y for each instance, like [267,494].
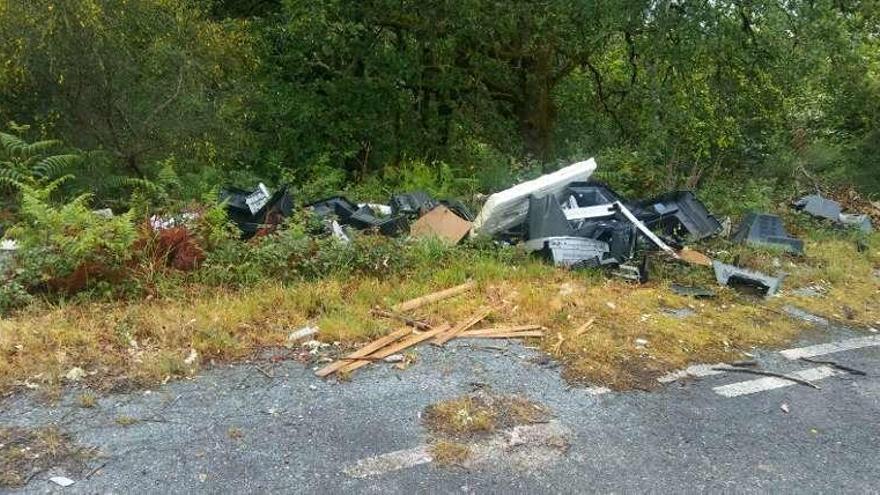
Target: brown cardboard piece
[443,223]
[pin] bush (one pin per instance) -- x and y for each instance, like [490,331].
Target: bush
[68,248]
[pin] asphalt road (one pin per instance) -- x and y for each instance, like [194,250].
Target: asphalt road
[234,430]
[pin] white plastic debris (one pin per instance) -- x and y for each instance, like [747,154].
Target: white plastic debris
[304,332]
[158,223]
[383,210]
[61,481]
[641,343]
[8,245]
[339,233]
[191,358]
[509,208]
[75,374]
[785,408]
[257,199]
[394,358]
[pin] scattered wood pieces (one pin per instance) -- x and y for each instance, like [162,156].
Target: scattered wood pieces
[768,373]
[421,325]
[833,364]
[434,297]
[461,327]
[583,328]
[501,335]
[364,351]
[396,347]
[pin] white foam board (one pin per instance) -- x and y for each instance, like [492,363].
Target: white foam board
[509,208]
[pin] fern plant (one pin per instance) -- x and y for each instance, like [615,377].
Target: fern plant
[68,247]
[32,164]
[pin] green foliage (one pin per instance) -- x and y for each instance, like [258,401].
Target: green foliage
[32,164]
[68,247]
[13,296]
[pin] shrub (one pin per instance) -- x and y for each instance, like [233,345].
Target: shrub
[68,248]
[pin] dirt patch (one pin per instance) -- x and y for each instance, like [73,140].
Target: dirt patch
[480,413]
[446,453]
[25,452]
[483,430]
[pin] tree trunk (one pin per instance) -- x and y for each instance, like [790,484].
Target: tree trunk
[537,112]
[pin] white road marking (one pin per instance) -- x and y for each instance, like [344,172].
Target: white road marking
[392,461]
[695,370]
[771,382]
[597,390]
[820,349]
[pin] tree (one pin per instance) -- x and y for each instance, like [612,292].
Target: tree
[140,79]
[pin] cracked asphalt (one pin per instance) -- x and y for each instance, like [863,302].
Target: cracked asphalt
[235,430]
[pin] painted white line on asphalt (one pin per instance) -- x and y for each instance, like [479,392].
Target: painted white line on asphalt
[695,370]
[392,461]
[597,390]
[820,349]
[771,382]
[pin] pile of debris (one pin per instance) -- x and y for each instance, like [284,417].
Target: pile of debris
[564,216]
[415,213]
[416,332]
[575,222]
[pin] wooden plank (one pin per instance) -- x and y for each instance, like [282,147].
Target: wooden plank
[511,329]
[404,344]
[430,298]
[583,328]
[421,325]
[461,327]
[364,351]
[694,257]
[501,335]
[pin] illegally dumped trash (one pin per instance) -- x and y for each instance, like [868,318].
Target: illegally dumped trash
[762,229]
[443,223]
[508,209]
[415,213]
[575,222]
[734,276]
[571,252]
[677,211]
[692,291]
[254,210]
[821,207]
[387,347]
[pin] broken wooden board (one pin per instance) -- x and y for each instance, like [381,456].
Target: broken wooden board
[461,327]
[442,223]
[511,329]
[402,345]
[500,335]
[364,351]
[694,257]
[583,328]
[434,297]
[418,324]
